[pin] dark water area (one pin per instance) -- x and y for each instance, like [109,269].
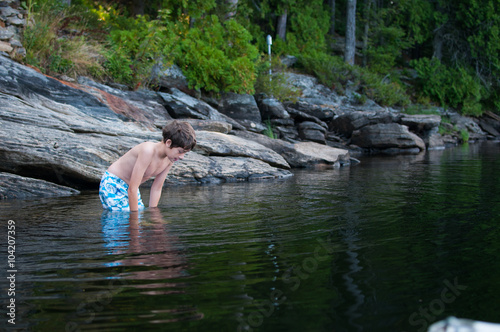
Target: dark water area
[391,244]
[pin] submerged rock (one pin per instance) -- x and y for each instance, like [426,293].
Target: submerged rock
[15,186]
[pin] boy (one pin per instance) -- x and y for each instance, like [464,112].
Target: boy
[119,188]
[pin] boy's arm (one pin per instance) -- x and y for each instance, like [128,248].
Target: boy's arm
[156,188]
[141,164]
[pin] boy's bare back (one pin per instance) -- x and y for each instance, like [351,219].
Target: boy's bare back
[149,155]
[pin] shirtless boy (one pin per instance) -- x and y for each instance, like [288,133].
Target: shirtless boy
[119,188]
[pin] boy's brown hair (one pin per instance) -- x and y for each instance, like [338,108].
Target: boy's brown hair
[181,133]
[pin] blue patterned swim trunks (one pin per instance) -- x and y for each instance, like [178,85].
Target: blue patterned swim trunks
[113,193]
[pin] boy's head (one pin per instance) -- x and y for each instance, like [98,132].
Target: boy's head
[181,134]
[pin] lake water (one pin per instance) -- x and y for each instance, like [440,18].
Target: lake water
[391,244]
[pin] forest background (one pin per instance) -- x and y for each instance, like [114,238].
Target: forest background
[413,54]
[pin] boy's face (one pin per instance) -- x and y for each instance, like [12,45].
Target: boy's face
[174,153]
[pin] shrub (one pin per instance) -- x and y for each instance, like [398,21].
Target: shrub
[456,88]
[389,93]
[333,72]
[218,57]
[276,87]
[135,45]
[52,49]
[464,135]
[269,130]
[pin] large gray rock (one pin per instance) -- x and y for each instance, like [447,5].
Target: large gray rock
[15,186]
[182,105]
[169,77]
[271,108]
[323,112]
[218,144]
[70,134]
[313,154]
[240,107]
[310,131]
[389,138]
[421,123]
[312,91]
[200,169]
[488,126]
[349,121]
[143,106]
[302,154]
[210,125]
[465,123]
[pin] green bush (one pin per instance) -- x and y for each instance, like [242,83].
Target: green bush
[333,72]
[135,45]
[387,93]
[275,86]
[383,56]
[455,88]
[54,51]
[464,135]
[218,57]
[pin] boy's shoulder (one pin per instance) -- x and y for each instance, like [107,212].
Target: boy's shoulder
[146,146]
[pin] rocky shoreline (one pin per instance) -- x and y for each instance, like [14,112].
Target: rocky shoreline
[68,133]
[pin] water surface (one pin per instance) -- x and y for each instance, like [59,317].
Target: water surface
[391,244]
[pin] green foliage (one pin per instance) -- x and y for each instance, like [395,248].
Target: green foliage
[275,85]
[53,50]
[29,6]
[383,56]
[420,109]
[383,91]
[464,135]
[333,72]
[481,21]
[417,19]
[309,24]
[136,45]
[218,57]
[387,38]
[37,40]
[445,130]
[99,38]
[269,130]
[450,87]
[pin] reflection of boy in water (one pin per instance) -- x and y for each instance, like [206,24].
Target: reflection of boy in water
[150,259]
[141,239]
[119,188]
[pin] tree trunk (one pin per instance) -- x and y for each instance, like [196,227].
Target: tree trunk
[282,25]
[137,7]
[437,44]
[332,17]
[232,5]
[350,35]
[366,17]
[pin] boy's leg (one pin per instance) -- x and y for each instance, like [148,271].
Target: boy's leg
[113,193]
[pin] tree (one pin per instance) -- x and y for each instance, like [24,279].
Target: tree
[281,26]
[350,35]
[233,5]
[332,17]
[366,18]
